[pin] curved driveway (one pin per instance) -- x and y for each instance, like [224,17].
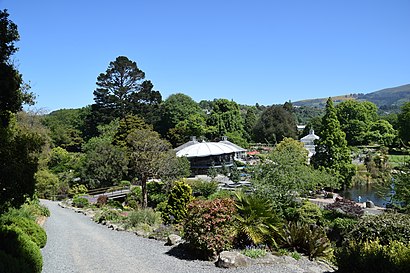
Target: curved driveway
[76,244]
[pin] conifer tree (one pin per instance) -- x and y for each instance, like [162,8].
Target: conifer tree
[332,152]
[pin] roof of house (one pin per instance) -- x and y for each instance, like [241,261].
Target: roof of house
[310,137]
[203,149]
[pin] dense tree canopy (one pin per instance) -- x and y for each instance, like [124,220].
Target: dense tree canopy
[404,123]
[176,108]
[332,152]
[275,124]
[225,117]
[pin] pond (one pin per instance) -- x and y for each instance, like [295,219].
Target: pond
[366,192]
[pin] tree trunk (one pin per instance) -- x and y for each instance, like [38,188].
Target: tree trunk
[144,192]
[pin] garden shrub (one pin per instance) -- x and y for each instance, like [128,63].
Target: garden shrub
[203,188]
[178,199]
[208,227]
[108,215]
[102,200]
[80,201]
[339,228]
[222,194]
[29,227]
[156,193]
[143,217]
[254,253]
[255,221]
[114,204]
[19,252]
[385,228]
[371,256]
[308,239]
[307,212]
[134,198]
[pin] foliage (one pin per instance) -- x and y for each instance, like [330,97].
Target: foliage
[80,202]
[111,215]
[134,198]
[192,125]
[157,193]
[222,194]
[274,125]
[178,200]
[255,221]
[19,152]
[225,117]
[307,213]
[305,238]
[254,253]
[339,228]
[372,256]
[121,91]
[208,227]
[401,185]
[175,109]
[67,127]
[28,226]
[17,252]
[126,125]
[285,174]
[47,184]
[384,228]
[345,207]
[148,153]
[104,164]
[203,188]
[102,200]
[143,217]
[12,91]
[77,189]
[403,120]
[332,152]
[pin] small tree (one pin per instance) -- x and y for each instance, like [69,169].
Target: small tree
[178,200]
[147,154]
[331,149]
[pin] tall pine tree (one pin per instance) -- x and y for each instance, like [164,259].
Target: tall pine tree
[332,152]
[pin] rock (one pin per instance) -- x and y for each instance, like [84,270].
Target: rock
[228,259]
[370,204]
[173,239]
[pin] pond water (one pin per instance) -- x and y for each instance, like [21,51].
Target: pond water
[366,192]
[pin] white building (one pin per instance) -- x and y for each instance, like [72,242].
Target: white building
[309,142]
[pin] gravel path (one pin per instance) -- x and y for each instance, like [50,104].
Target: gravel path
[76,244]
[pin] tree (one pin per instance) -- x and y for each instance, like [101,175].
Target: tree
[176,108]
[147,154]
[194,125]
[122,92]
[332,152]
[250,122]
[404,123]
[13,93]
[19,145]
[355,118]
[275,124]
[225,117]
[104,164]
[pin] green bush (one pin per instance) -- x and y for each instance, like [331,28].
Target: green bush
[305,238]
[178,199]
[308,213]
[203,188]
[18,252]
[222,194]
[371,256]
[134,198]
[80,202]
[143,217]
[208,227]
[28,226]
[385,228]
[255,221]
[108,215]
[339,228]
[156,193]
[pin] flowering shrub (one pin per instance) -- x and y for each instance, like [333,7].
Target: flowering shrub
[209,225]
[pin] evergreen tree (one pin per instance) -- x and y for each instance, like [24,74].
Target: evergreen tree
[332,152]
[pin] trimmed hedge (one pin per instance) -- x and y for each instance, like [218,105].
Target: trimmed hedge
[18,253]
[28,226]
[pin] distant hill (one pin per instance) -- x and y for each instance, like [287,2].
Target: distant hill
[387,99]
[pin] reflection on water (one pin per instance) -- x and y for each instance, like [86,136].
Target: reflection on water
[366,192]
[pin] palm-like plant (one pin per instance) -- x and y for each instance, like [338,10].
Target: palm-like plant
[255,221]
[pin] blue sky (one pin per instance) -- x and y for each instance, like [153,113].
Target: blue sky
[265,52]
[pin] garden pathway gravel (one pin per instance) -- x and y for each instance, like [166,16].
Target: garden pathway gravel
[77,244]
